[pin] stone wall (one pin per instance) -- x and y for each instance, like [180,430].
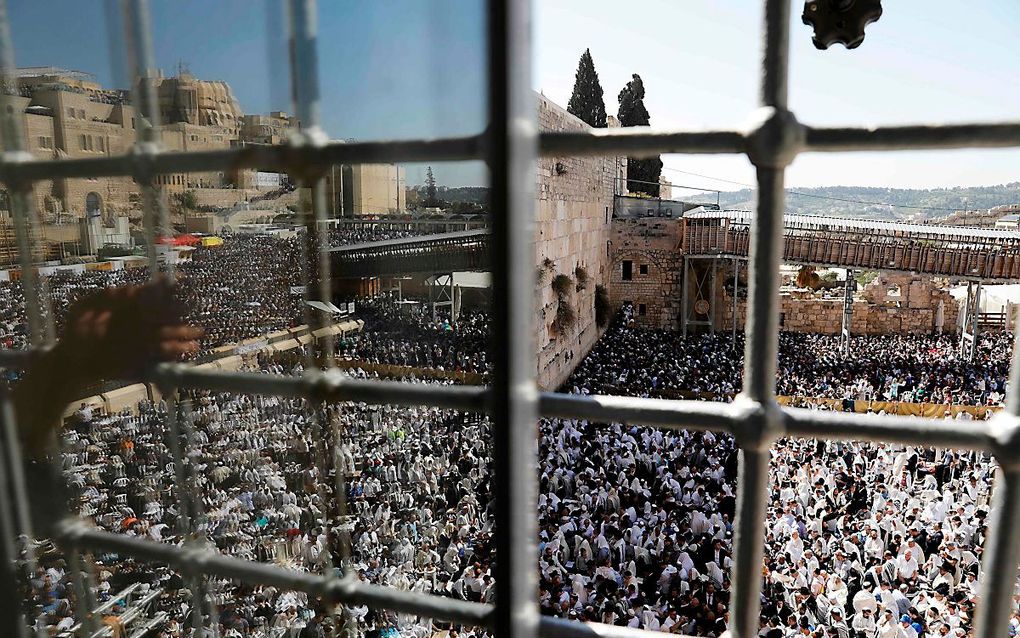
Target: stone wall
[652,248]
[891,304]
[574,200]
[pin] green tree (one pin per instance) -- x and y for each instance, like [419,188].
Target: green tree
[587,102]
[642,173]
[186,200]
[431,197]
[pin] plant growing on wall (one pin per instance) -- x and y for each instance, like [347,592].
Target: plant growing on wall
[545,269]
[565,315]
[582,278]
[563,285]
[602,307]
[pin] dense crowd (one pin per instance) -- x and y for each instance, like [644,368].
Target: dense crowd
[408,335]
[238,290]
[244,288]
[862,540]
[911,368]
[258,489]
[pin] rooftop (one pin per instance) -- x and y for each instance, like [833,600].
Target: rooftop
[820,222]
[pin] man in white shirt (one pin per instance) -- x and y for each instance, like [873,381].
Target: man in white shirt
[906,567]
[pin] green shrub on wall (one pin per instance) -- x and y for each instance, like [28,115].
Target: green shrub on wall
[582,278]
[562,284]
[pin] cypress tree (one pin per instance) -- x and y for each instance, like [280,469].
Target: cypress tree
[642,173]
[587,102]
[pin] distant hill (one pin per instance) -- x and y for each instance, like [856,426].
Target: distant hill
[883,203]
[838,201]
[459,194]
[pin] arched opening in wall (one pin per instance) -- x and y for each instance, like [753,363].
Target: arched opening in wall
[93,205]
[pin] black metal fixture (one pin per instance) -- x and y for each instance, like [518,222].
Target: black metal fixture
[840,21]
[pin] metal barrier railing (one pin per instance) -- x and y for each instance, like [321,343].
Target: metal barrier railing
[509,146]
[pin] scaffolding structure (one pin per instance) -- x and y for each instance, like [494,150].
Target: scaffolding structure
[509,145]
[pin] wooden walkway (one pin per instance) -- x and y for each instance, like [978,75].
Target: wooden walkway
[988,255]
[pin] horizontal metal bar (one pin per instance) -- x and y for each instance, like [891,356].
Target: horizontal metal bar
[330,386]
[209,562]
[660,413]
[559,628]
[887,428]
[914,137]
[620,141]
[637,140]
[283,157]
[348,592]
[334,386]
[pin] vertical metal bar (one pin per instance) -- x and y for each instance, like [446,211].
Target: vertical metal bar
[763,287]
[82,591]
[12,620]
[188,499]
[316,255]
[1001,556]
[40,321]
[304,63]
[776,54]
[762,338]
[1001,551]
[305,95]
[15,473]
[142,64]
[512,147]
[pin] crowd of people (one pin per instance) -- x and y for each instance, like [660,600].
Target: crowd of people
[863,540]
[261,479]
[235,291]
[244,288]
[910,368]
[408,335]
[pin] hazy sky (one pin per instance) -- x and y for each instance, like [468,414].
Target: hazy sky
[404,68]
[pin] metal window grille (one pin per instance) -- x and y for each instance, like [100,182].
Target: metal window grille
[510,145]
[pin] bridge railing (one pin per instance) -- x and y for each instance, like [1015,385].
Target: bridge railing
[951,258]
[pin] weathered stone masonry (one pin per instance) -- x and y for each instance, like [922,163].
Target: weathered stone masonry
[574,199]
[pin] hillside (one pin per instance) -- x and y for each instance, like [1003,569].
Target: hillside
[461,198]
[884,203]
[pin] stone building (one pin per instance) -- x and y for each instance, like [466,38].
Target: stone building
[646,270]
[367,189]
[574,204]
[267,129]
[184,98]
[68,115]
[892,303]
